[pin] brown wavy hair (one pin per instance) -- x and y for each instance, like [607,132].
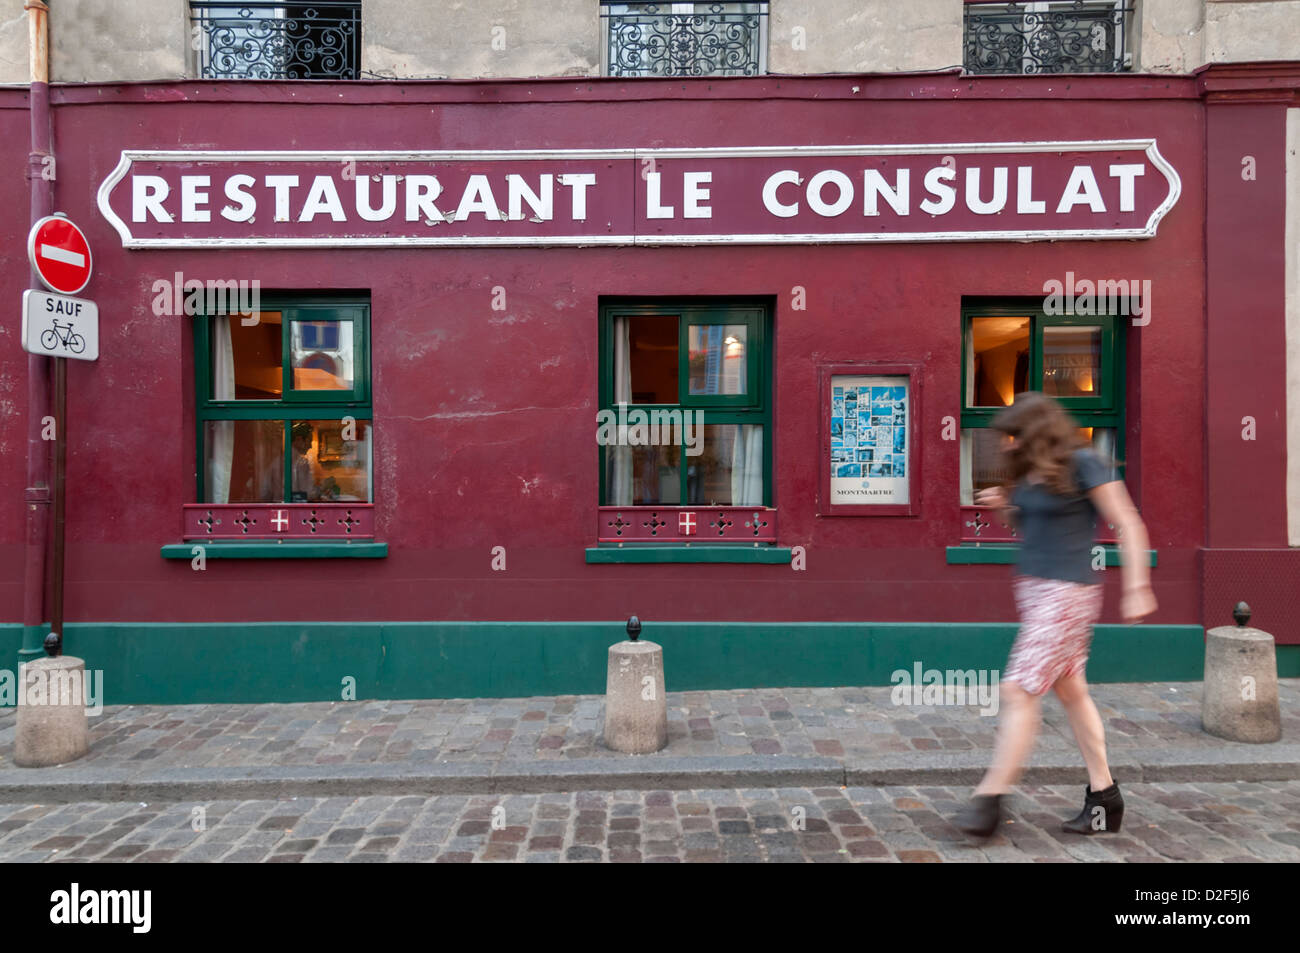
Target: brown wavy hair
[1047,438]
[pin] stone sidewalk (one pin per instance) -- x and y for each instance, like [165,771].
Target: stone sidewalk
[759,738]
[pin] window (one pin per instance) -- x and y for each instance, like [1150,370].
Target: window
[684,39]
[1080,36]
[695,379]
[235,40]
[1078,359]
[283,404]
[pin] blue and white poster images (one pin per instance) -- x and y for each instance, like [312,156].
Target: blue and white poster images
[870,455]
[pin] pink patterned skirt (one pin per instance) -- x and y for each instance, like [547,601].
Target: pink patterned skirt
[1056,620]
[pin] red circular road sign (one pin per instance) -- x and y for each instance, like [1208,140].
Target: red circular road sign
[59,252]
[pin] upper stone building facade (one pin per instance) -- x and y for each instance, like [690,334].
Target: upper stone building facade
[95,41]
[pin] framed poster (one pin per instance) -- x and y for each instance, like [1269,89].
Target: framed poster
[869,454]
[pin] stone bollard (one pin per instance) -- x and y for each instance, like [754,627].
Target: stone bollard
[1240,701]
[51,725]
[636,709]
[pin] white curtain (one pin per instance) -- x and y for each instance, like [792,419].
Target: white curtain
[618,458]
[966,467]
[747,466]
[365,461]
[221,433]
[1103,441]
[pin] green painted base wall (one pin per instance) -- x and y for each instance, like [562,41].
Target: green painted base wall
[159,663]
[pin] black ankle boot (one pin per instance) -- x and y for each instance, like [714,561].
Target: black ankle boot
[981,816]
[1103,811]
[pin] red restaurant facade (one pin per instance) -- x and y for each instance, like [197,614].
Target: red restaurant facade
[385,470]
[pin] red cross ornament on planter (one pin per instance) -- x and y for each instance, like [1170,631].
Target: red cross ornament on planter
[685,524]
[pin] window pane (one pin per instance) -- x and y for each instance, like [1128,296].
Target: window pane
[652,358]
[1102,440]
[982,462]
[718,354]
[1064,37]
[241,44]
[998,361]
[729,470]
[1072,361]
[331,461]
[246,359]
[321,355]
[988,465]
[685,39]
[281,41]
[244,461]
[654,475]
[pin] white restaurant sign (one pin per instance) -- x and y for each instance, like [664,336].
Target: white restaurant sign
[1020,191]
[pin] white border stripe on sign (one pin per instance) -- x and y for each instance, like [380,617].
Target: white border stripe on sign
[130,156]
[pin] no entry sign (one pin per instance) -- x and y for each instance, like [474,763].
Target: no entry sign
[60,254]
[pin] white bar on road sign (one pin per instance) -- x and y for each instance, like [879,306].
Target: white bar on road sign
[54,253]
[60,326]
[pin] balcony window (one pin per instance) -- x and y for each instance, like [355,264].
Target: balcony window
[234,40]
[684,39]
[1082,36]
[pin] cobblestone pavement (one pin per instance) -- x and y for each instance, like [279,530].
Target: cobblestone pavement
[832,722]
[1164,822]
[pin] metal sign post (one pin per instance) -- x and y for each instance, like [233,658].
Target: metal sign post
[60,256]
[54,641]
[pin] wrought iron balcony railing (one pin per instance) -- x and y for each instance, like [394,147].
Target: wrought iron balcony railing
[238,40]
[684,39]
[1081,36]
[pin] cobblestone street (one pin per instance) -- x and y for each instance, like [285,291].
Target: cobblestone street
[1164,822]
[746,777]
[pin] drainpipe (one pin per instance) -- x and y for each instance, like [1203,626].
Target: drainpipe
[36,497]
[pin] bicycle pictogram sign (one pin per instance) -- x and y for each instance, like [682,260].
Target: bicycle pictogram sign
[60,326]
[51,338]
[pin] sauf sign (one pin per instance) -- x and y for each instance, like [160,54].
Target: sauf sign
[760,195]
[57,325]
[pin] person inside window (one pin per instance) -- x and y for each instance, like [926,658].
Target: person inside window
[305,488]
[306,466]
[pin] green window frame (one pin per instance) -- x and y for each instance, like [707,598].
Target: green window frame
[1105,410]
[754,407]
[294,404]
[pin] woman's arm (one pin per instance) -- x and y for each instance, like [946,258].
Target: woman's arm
[1116,507]
[999,497]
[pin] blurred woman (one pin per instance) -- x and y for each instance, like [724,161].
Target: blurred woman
[1058,485]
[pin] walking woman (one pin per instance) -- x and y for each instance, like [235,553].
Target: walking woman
[1059,485]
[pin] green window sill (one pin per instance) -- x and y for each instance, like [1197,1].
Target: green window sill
[970,554]
[710,553]
[274,549]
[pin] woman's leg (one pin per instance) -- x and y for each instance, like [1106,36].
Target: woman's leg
[1089,732]
[1016,734]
